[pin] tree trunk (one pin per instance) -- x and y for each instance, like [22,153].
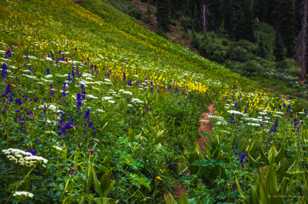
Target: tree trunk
[204,15]
[302,43]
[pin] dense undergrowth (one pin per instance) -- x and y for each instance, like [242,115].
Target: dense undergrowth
[115,111]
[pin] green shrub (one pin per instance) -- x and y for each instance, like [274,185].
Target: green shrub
[265,40]
[212,46]
[252,67]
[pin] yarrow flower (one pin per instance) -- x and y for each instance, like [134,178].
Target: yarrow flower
[23,194]
[24,158]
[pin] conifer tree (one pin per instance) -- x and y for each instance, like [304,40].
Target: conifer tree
[162,14]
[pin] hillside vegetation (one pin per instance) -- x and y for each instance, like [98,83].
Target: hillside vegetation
[97,109]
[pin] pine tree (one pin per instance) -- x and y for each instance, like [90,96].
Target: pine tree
[215,14]
[302,41]
[162,15]
[280,50]
[283,19]
[227,19]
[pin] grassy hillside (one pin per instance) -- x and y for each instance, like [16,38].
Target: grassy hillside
[98,109]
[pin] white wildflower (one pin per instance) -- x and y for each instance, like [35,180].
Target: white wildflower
[216,117]
[221,122]
[279,113]
[61,75]
[57,148]
[23,158]
[30,57]
[254,119]
[263,113]
[107,98]
[254,124]
[235,112]
[100,110]
[91,96]
[125,92]
[30,76]
[137,101]
[23,194]
[48,76]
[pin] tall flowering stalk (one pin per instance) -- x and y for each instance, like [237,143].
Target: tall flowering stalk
[79,99]
[8,53]
[4,71]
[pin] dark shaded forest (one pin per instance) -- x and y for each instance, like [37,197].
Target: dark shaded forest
[278,28]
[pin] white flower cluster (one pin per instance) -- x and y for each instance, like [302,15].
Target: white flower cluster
[235,112]
[23,194]
[137,101]
[24,158]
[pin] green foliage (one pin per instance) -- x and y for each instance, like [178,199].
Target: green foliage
[138,142]
[163,15]
[265,40]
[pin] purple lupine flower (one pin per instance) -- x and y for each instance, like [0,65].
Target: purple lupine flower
[274,126]
[129,82]
[79,99]
[8,53]
[35,99]
[19,118]
[73,73]
[242,158]
[64,87]
[91,126]
[87,115]
[30,114]
[64,126]
[18,101]
[83,91]
[32,151]
[7,90]
[51,90]
[4,71]
[60,59]
[69,78]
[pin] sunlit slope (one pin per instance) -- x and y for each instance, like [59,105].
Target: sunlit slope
[104,35]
